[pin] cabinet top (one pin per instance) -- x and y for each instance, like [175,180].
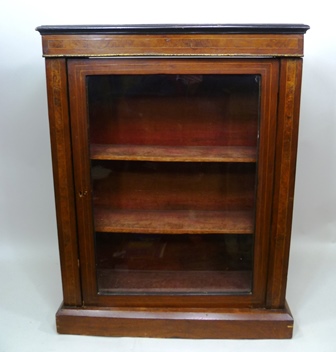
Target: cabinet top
[176,28]
[215,40]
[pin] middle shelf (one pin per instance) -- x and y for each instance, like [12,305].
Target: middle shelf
[173,197]
[243,154]
[173,221]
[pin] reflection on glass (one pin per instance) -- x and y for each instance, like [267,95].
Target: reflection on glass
[173,167]
[178,264]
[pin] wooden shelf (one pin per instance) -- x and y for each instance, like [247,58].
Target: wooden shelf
[168,154]
[173,222]
[155,281]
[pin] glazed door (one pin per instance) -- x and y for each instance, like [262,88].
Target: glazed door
[173,164]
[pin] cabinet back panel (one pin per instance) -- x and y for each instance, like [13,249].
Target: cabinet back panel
[176,186]
[174,109]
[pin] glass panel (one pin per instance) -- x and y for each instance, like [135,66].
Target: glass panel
[173,167]
[179,264]
[174,110]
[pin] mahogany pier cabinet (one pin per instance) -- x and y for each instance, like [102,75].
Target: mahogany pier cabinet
[174,150]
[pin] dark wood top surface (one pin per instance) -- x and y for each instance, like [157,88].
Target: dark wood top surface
[176,28]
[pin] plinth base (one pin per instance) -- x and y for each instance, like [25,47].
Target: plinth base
[242,323]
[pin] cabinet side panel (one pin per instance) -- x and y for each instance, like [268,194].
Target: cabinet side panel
[63,179]
[286,147]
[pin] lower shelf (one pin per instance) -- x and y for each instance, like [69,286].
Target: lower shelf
[132,263]
[117,281]
[177,323]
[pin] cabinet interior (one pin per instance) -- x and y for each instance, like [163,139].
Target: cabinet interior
[173,172]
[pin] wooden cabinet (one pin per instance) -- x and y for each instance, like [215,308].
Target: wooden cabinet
[174,154]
